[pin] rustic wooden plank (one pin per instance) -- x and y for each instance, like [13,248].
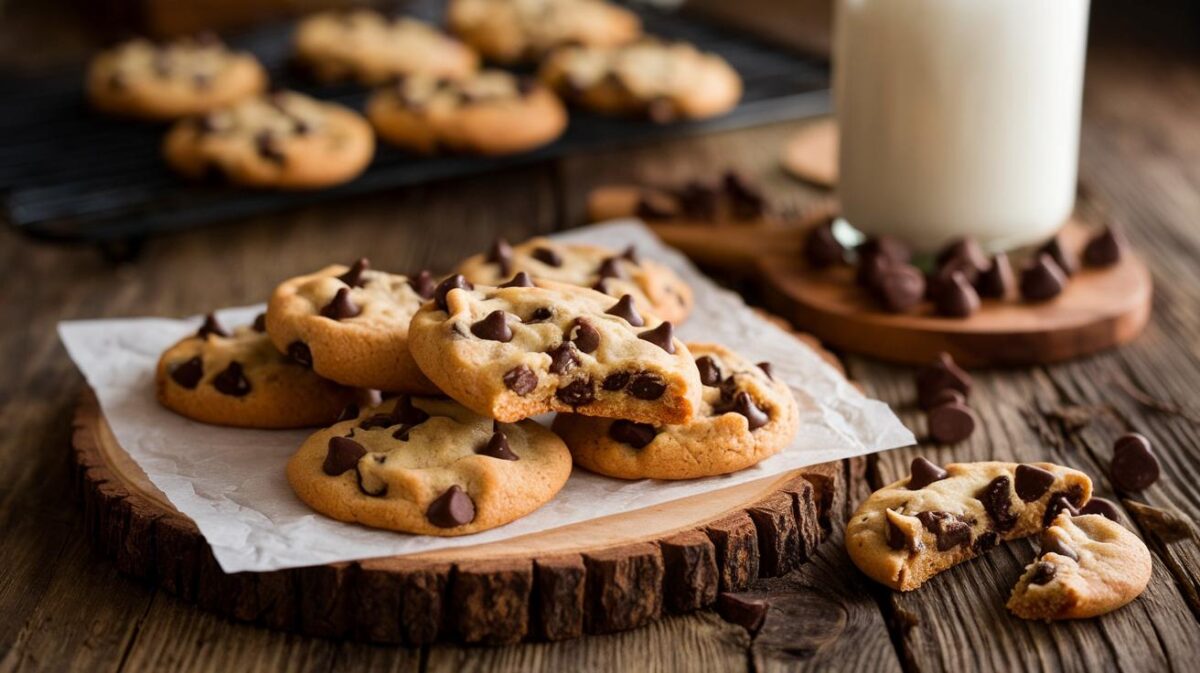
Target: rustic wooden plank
[489,601]
[735,540]
[690,571]
[778,537]
[559,596]
[624,587]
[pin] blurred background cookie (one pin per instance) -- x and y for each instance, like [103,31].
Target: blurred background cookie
[524,31]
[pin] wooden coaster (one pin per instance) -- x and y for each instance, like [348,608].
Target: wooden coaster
[812,153]
[600,576]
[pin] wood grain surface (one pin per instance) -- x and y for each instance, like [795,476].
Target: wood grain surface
[64,607]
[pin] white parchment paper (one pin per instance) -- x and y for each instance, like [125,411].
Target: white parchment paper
[231,482]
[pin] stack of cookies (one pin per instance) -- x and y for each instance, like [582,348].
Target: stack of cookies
[464,362]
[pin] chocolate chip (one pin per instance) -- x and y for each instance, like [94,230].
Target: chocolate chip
[1105,248]
[710,372]
[870,271]
[548,257]
[342,456]
[985,541]
[422,284]
[997,502]
[616,381]
[1134,466]
[341,307]
[609,268]
[662,110]
[526,85]
[1052,543]
[1032,482]
[699,200]
[585,335]
[1042,280]
[898,287]
[451,509]
[576,393]
[821,247]
[211,326]
[563,358]
[540,314]
[631,254]
[1043,573]
[232,381]
[996,281]
[354,276]
[1055,249]
[268,147]
[662,336]
[898,539]
[405,413]
[945,396]
[744,405]
[924,472]
[655,206]
[956,299]
[299,352]
[647,386]
[260,323]
[766,369]
[637,435]
[1105,508]
[1058,504]
[625,309]
[501,254]
[890,247]
[943,278]
[745,200]
[349,413]
[522,279]
[748,613]
[301,127]
[949,530]
[497,447]
[601,286]
[966,249]
[494,327]
[520,379]
[189,372]
[455,282]
[377,421]
[941,374]
[951,423]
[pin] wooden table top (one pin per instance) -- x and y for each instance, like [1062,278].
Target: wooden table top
[64,607]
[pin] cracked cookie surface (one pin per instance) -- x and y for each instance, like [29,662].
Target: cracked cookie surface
[524,31]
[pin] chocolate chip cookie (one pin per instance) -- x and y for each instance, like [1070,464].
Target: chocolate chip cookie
[524,31]
[239,379]
[911,530]
[371,48]
[652,286]
[428,466]
[350,324]
[664,81]
[516,351]
[285,140]
[189,76]
[491,112]
[745,416]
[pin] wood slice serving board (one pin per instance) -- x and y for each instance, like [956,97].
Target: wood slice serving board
[605,575]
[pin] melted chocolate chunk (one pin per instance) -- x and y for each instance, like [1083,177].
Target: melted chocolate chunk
[1043,280]
[422,284]
[522,279]
[662,336]
[548,257]
[540,314]
[951,531]
[951,423]
[1105,248]
[455,282]
[957,298]
[924,472]
[609,268]
[1032,482]
[232,381]
[626,310]
[616,381]
[354,276]
[563,358]
[269,147]
[1055,249]
[1043,573]
[1134,466]
[260,323]
[637,435]
[189,372]
[521,380]
[744,405]
[497,447]
[451,509]
[300,353]
[899,287]
[342,456]
[1105,508]
[1062,501]
[985,542]
[1053,544]
[647,386]
[211,326]
[501,254]
[494,327]
[897,539]
[996,281]
[997,502]
[710,371]
[821,247]
[576,393]
[585,335]
[341,307]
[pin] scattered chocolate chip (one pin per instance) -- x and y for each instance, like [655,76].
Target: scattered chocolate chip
[548,257]
[609,268]
[662,110]
[655,206]
[631,254]
[870,271]
[563,358]
[601,286]
[349,413]
[343,455]
[377,421]
[662,336]
[1105,248]
[951,423]
[497,447]
[1057,504]
[728,388]
[189,372]
[898,287]
[625,308]
[941,374]
[1134,466]
[616,381]
[748,613]
[576,393]
[996,281]
[699,200]
[744,405]
[1055,249]
[455,282]
[997,502]
[522,279]
[422,284]
[949,530]
[924,472]
[898,539]
[957,299]
[710,372]
[943,278]
[211,326]
[1032,482]
[501,254]
[405,413]
[585,335]
[745,200]
[821,247]
[341,307]
[647,386]
[637,435]
[1042,280]
[985,542]
[766,369]
[1053,544]
[966,249]
[268,147]
[1043,573]
[540,314]
[890,247]
[354,276]
[260,323]
[1105,508]
[494,327]
[945,396]
[451,509]
[299,352]
[520,379]
[232,380]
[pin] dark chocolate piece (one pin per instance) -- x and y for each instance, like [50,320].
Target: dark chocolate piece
[957,298]
[1134,466]
[699,200]
[647,386]
[1043,573]
[341,306]
[710,372]
[493,327]
[563,358]
[626,309]
[343,455]
[1054,248]
[662,336]
[455,282]
[748,613]
[951,423]
[1032,482]
[609,268]
[260,323]
[744,405]
[871,269]
[522,279]
[520,379]
[945,396]
[898,287]
[211,326]
[189,372]
[997,502]
[268,146]
[422,284]
[497,447]
[897,539]
[890,247]
[501,254]
[746,202]
[1042,280]
[996,281]
[1105,248]
[821,247]
[616,381]
[941,374]
[766,369]
[585,336]
[540,314]
[348,413]
[949,530]
[232,380]
[451,509]
[1053,544]
[1059,503]
[299,352]
[924,472]
[966,249]
[576,393]
[637,435]
[1105,508]
[548,257]
[354,276]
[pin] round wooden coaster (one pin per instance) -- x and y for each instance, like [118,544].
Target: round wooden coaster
[812,153]
[600,576]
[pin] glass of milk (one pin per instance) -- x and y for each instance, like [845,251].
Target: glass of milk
[959,117]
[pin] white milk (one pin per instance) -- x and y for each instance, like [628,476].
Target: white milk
[959,117]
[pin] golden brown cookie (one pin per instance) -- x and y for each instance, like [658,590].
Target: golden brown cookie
[241,380]
[285,140]
[350,324]
[491,112]
[428,466]
[166,81]
[524,31]
[518,351]
[745,416]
